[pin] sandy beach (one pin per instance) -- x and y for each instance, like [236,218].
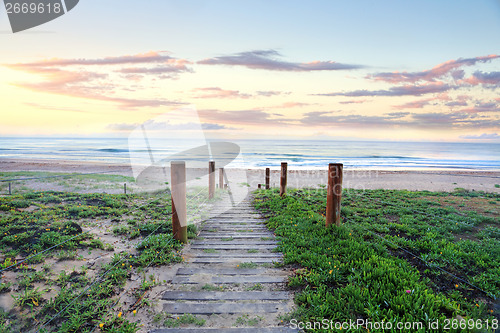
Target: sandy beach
[432,180]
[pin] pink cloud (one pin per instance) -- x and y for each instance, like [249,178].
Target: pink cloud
[478,77]
[83,84]
[480,107]
[432,74]
[141,58]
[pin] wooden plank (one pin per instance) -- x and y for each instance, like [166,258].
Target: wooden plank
[229,234]
[248,242]
[234,260]
[219,308]
[239,255]
[225,295]
[238,247]
[250,235]
[247,279]
[220,271]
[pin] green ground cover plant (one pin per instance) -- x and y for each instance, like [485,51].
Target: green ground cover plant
[365,269]
[38,229]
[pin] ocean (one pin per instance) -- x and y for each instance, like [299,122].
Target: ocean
[270,153]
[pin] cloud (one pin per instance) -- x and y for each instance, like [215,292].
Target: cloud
[406,90]
[242,117]
[414,104]
[289,105]
[216,92]
[269,60]
[429,120]
[322,118]
[483,107]
[60,78]
[269,93]
[153,125]
[142,58]
[439,71]
[479,77]
[215,127]
[457,103]
[484,136]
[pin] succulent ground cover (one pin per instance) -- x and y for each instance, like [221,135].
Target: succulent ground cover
[68,259]
[399,256]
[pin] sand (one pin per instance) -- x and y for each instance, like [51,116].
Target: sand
[432,180]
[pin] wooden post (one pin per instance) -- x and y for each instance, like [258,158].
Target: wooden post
[211,179]
[284,166]
[334,194]
[179,213]
[125,188]
[268,177]
[10,190]
[259,186]
[221,178]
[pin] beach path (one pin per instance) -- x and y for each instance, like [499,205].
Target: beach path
[228,282]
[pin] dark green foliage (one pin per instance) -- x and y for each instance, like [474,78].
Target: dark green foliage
[360,269]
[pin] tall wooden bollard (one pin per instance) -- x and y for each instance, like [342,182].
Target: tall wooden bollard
[211,179]
[284,167]
[221,178]
[10,189]
[334,194]
[125,188]
[179,212]
[268,177]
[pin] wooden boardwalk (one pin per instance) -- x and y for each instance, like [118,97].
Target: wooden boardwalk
[229,278]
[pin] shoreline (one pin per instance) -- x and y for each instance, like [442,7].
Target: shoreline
[405,179]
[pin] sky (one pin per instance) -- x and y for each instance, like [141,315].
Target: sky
[331,70]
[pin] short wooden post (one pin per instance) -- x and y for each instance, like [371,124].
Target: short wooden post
[334,194]
[125,188]
[179,213]
[268,177]
[221,178]
[259,186]
[284,166]
[211,179]
[10,189]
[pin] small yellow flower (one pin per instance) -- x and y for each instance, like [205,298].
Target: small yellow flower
[119,314]
[456,286]
[331,271]
[101,325]
[134,312]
